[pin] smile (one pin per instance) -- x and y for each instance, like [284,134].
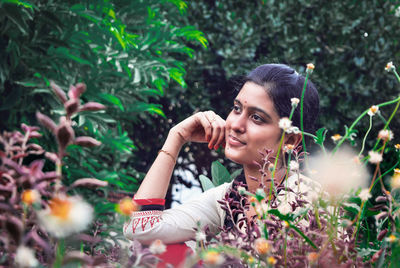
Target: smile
[233,141]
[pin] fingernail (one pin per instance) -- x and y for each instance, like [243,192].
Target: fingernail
[216,147]
[209,146]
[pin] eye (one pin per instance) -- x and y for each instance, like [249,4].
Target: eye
[236,108]
[257,118]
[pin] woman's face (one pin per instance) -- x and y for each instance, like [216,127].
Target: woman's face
[251,126]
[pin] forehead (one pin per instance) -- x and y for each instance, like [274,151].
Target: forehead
[255,96]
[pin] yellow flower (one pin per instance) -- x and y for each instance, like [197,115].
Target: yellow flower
[285,224]
[288,148]
[271,260]
[252,200]
[126,206]
[336,137]
[30,196]
[397,171]
[310,66]
[250,260]
[213,257]
[262,246]
[397,146]
[392,238]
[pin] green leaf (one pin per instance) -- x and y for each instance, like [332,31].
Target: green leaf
[235,174]
[219,173]
[177,75]
[112,99]
[206,183]
[321,135]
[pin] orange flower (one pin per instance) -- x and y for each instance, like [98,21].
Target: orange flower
[126,206]
[312,257]
[336,137]
[30,196]
[262,246]
[213,257]
[60,207]
[373,110]
[397,146]
[310,66]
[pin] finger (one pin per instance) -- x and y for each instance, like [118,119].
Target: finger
[221,139]
[212,117]
[206,125]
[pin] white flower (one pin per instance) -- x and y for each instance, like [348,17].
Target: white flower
[364,195]
[285,123]
[390,66]
[294,130]
[338,173]
[294,166]
[66,215]
[310,68]
[294,101]
[25,257]
[241,190]
[157,247]
[373,110]
[374,157]
[200,236]
[397,12]
[385,135]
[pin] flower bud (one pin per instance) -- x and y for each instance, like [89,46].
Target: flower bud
[86,141]
[65,134]
[76,91]
[382,234]
[59,92]
[46,122]
[30,197]
[92,106]
[71,106]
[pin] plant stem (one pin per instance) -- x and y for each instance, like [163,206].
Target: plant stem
[365,137]
[301,114]
[59,253]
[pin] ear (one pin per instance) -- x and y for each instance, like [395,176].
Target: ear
[293,139]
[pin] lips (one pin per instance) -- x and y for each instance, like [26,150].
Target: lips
[233,141]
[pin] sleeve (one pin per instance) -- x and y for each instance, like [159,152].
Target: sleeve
[177,224]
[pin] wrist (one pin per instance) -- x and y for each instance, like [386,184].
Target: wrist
[176,136]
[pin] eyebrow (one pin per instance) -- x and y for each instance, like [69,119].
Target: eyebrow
[255,109]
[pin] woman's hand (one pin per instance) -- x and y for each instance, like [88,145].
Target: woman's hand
[202,127]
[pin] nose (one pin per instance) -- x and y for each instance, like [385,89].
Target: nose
[239,123]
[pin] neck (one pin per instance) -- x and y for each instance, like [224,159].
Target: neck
[254,172]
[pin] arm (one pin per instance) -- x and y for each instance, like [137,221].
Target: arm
[200,127]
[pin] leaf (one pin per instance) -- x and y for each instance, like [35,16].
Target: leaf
[219,173]
[321,135]
[112,99]
[206,183]
[236,173]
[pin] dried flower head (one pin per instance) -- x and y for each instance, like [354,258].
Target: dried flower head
[373,110]
[364,194]
[65,215]
[295,102]
[374,157]
[385,135]
[285,123]
[213,258]
[157,247]
[25,257]
[390,66]
[126,206]
[338,173]
[30,197]
[336,137]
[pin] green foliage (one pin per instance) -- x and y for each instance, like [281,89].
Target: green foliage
[220,175]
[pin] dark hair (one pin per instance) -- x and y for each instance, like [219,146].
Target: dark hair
[283,83]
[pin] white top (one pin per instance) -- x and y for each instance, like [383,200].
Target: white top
[177,224]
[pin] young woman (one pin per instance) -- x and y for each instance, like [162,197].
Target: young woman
[251,126]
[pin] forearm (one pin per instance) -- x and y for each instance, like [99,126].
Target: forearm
[157,179]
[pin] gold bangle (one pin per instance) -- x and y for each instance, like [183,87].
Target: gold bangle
[167,153]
